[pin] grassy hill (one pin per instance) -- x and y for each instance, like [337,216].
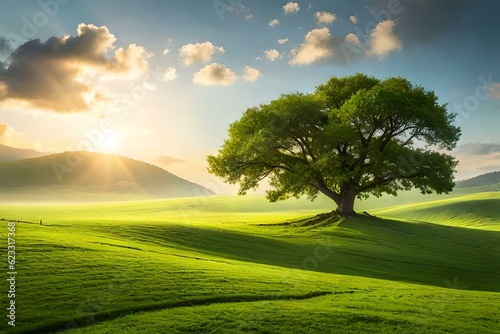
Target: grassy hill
[482,183]
[224,264]
[8,153]
[82,175]
[488,179]
[481,210]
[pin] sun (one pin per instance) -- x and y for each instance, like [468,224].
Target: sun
[110,142]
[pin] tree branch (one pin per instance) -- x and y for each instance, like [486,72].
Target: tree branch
[321,186]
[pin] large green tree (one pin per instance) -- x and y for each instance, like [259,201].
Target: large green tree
[354,136]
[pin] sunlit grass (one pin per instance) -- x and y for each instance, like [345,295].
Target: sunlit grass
[95,264]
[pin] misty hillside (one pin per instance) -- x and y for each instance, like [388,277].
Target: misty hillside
[8,153]
[93,173]
[490,181]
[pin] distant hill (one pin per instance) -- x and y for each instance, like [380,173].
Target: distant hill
[481,210]
[8,153]
[83,174]
[488,181]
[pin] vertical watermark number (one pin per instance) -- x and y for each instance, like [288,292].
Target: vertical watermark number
[11,273]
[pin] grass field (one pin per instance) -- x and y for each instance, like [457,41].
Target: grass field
[230,265]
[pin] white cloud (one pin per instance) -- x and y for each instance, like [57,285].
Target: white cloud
[166,51]
[251,74]
[13,138]
[352,39]
[274,23]
[272,54]
[310,6]
[249,17]
[170,74]
[318,45]
[238,8]
[199,52]
[325,17]
[353,19]
[214,75]
[291,8]
[60,74]
[382,40]
[282,40]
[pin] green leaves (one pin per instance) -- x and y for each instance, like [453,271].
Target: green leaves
[355,134]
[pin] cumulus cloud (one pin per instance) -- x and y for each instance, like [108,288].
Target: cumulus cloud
[251,74]
[170,74]
[166,51]
[249,17]
[321,45]
[13,138]
[291,8]
[54,75]
[352,39]
[318,45]
[199,52]
[214,75]
[382,39]
[272,54]
[282,41]
[353,19]
[274,23]
[325,17]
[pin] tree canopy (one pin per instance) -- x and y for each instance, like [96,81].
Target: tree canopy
[354,136]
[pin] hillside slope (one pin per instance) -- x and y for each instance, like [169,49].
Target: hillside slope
[481,210]
[8,153]
[484,182]
[93,173]
[227,264]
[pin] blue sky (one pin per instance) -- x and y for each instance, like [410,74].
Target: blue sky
[187,69]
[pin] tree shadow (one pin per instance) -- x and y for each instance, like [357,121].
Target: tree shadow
[418,252]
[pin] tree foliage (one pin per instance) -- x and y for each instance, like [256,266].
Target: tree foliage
[352,137]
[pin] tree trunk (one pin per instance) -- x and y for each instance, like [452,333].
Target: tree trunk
[344,200]
[346,203]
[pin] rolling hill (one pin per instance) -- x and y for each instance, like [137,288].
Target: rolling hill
[8,153]
[480,210]
[484,182]
[84,175]
[227,264]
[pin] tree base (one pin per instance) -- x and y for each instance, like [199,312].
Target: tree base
[346,214]
[320,220]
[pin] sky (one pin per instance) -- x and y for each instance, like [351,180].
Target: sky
[161,81]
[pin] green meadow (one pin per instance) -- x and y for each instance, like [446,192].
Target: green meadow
[227,264]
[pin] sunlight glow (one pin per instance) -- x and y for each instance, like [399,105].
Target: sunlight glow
[110,142]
